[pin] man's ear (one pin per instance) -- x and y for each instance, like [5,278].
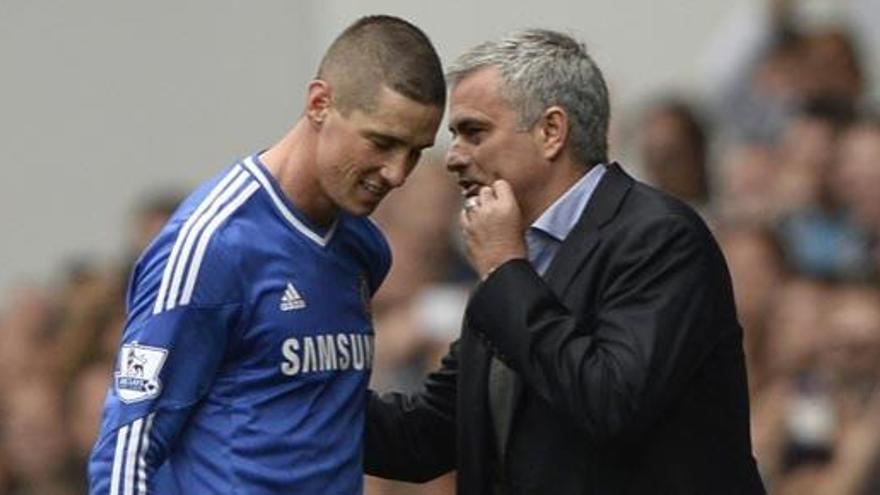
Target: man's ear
[318,101]
[553,127]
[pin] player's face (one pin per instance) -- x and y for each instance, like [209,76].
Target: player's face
[488,142]
[365,154]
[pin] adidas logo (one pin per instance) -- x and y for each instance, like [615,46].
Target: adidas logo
[291,299]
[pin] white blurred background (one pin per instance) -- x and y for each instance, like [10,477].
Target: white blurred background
[103,101]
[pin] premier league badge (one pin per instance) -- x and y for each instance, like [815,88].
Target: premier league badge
[138,375]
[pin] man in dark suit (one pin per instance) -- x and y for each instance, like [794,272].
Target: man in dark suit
[600,353]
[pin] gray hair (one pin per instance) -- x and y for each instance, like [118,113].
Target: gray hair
[541,68]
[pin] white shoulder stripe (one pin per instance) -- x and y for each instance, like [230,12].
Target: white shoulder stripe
[117,460]
[169,266]
[194,233]
[131,456]
[206,236]
[142,457]
[260,176]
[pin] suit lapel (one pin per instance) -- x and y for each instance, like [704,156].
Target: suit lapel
[581,242]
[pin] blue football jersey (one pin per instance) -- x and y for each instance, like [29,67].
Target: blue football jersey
[246,352]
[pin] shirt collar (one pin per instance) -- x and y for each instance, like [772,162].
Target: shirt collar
[559,219]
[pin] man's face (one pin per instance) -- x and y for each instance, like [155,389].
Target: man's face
[487,142]
[858,176]
[853,325]
[365,154]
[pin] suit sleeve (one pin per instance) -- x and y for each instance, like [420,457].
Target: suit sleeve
[166,365]
[614,368]
[412,437]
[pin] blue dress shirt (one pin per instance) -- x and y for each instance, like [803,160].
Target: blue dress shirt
[544,237]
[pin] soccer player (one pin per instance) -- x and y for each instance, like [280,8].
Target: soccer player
[248,343]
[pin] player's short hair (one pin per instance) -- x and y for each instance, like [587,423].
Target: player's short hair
[541,68]
[382,50]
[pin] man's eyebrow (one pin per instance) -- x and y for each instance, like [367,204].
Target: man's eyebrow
[465,122]
[395,140]
[383,135]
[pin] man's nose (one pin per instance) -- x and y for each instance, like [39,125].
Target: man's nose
[456,161]
[394,172]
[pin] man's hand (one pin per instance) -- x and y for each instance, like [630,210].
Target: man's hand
[492,227]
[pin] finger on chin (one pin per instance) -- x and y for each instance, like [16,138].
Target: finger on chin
[502,189]
[463,219]
[486,194]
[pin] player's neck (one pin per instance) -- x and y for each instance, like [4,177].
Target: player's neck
[290,162]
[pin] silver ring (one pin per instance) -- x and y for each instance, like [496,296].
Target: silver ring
[471,202]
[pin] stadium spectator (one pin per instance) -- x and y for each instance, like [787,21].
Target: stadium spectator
[816,427]
[673,151]
[757,269]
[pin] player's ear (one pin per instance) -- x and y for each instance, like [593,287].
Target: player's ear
[318,101]
[553,127]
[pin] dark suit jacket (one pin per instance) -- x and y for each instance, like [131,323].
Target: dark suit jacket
[629,358]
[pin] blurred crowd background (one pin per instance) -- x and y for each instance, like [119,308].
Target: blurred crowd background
[783,161]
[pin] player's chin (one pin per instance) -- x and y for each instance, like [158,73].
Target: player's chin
[362,208]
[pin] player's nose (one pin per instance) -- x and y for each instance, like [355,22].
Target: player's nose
[394,173]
